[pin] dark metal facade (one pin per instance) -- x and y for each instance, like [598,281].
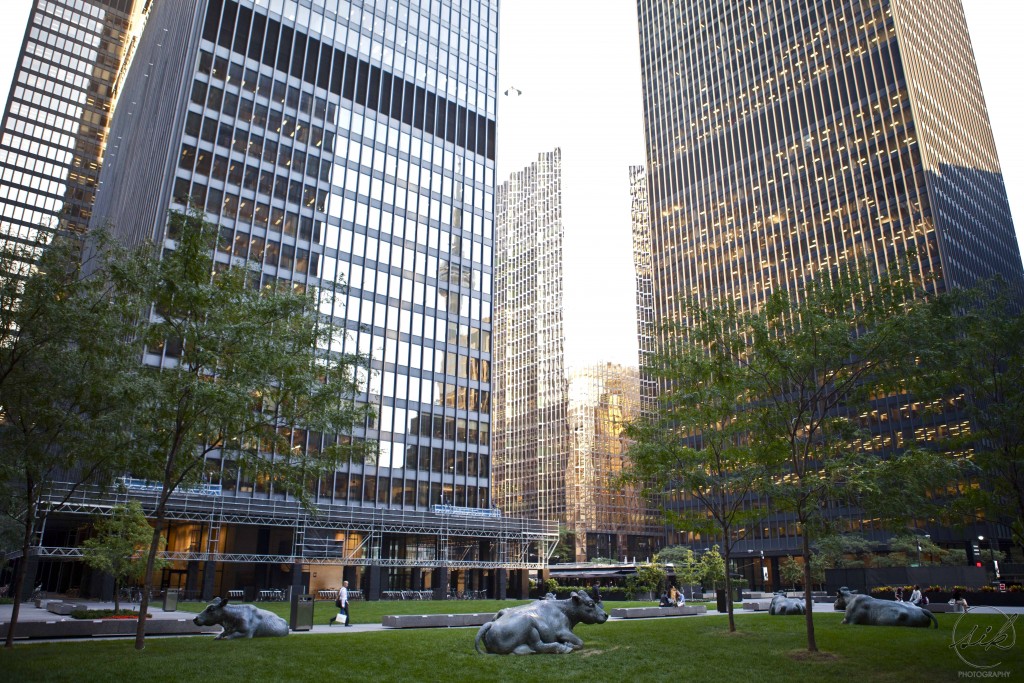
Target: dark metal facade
[788,139]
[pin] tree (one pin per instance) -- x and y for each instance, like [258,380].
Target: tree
[790,571]
[817,359]
[684,562]
[119,546]
[982,363]
[650,576]
[713,568]
[698,440]
[247,378]
[67,343]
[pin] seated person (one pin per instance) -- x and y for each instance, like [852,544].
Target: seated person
[665,602]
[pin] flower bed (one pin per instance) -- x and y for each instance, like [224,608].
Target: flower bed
[106,614]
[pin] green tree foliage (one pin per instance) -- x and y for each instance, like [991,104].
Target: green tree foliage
[713,568]
[818,358]
[119,544]
[684,562]
[245,373]
[697,443]
[66,350]
[791,571]
[650,576]
[981,362]
[843,551]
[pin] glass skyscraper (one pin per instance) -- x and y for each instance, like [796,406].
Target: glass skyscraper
[530,436]
[69,74]
[789,138]
[354,140]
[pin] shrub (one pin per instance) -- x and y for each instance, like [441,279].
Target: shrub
[988,589]
[880,590]
[1016,588]
[934,589]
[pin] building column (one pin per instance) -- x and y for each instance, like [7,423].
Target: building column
[416,579]
[297,588]
[374,582]
[519,584]
[209,580]
[441,583]
[499,584]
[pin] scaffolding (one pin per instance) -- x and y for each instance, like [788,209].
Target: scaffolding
[519,543]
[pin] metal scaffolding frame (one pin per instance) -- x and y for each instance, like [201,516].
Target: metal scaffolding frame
[512,537]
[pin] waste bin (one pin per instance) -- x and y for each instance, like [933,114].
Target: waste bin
[170,600]
[302,613]
[722,600]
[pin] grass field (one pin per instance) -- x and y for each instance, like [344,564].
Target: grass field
[764,650]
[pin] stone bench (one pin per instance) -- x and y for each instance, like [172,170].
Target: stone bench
[87,628]
[757,605]
[648,612]
[63,608]
[942,607]
[435,620]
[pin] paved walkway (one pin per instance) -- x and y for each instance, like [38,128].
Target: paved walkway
[29,612]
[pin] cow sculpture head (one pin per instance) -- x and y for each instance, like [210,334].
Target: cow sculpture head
[213,614]
[585,610]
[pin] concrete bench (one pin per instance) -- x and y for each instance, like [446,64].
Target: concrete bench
[63,608]
[942,607]
[435,620]
[87,628]
[648,612]
[757,605]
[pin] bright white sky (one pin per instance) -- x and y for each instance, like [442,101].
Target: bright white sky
[577,64]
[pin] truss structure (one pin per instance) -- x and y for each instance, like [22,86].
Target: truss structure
[517,543]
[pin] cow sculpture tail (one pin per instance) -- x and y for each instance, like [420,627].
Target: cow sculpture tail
[932,617]
[479,635]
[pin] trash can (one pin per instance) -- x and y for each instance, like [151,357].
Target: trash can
[170,600]
[722,599]
[302,613]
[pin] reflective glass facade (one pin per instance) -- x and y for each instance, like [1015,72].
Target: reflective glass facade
[607,521]
[55,126]
[640,219]
[344,140]
[786,139]
[530,438]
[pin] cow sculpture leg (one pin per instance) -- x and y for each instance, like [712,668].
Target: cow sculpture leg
[535,644]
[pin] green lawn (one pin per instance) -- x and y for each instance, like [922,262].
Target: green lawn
[766,649]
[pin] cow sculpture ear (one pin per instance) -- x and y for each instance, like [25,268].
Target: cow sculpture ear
[223,601]
[575,597]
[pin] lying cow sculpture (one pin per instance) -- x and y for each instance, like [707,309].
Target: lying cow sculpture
[241,621]
[542,626]
[864,609]
[783,605]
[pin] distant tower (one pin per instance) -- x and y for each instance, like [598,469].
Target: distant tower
[645,329]
[530,440]
[608,520]
[73,59]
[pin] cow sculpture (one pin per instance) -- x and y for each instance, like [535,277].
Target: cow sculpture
[543,626]
[782,605]
[864,609]
[241,621]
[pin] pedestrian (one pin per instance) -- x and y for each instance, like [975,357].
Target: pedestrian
[595,591]
[915,596]
[342,605]
[958,598]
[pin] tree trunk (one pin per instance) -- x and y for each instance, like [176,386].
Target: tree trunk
[812,644]
[728,592]
[117,596]
[147,580]
[21,571]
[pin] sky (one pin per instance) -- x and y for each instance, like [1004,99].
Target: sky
[578,71]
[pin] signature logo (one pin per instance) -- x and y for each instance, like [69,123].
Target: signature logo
[983,646]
